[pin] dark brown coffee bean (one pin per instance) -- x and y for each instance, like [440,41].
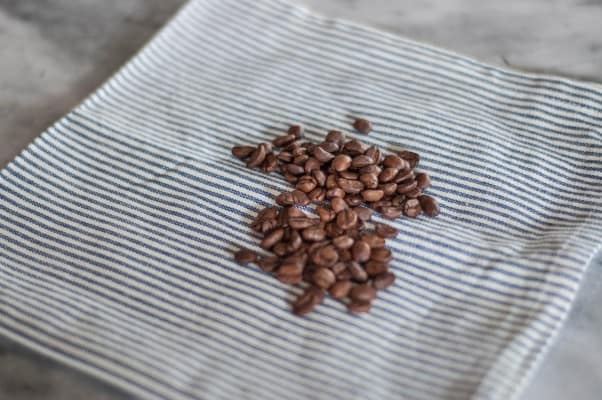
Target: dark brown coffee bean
[358,273]
[333,230]
[285,157]
[267,213]
[296,130]
[361,161]
[340,289]
[311,165]
[245,256]
[322,155]
[349,175]
[412,158]
[306,184]
[295,169]
[268,225]
[299,198]
[272,238]
[388,189]
[285,199]
[406,186]
[268,263]
[339,266]
[373,240]
[370,181]
[308,300]
[242,152]
[299,151]
[374,268]
[319,176]
[403,176]
[391,212]
[294,242]
[317,195]
[429,205]
[371,169]
[257,157]
[338,204]
[326,214]
[302,222]
[290,269]
[330,147]
[314,247]
[411,208]
[412,194]
[343,242]
[344,276]
[269,164]
[313,234]
[358,307]
[292,147]
[387,175]
[361,251]
[331,181]
[372,195]
[383,281]
[290,178]
[324,278]
[349,186]
[353,200]
[374,153]
[363,292]
[363,126]
[363,213]
[386,231]
[280,249]
[335,192]
[326,256]
[423,180]
[341,162]
[337,137]
[354,148]
[284,140]
[398,200]
[395,162]
[382,255]
[346,219]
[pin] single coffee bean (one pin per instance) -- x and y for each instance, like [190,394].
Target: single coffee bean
[284,140]
[313,248]
[363,292]
[290,178]
[313,234]
[326,256]
[339,266]
[311,164]
[331,181]
[361,161]
[353,200]
[290,280]
[290,269]
[268,263]
[358,273]
[387,175]
[335,192]
[285,199]
[346,219]
[285,157]
[333,230]
[383,281]
[403,176]
[317,195]
[269,164]
[411,208]
[308,300]
[363,213]
[245,256]
[412,194]
[412,158]
[354,148]
[370,181]
[406,186]
[272,238]
[299,198]
[398,200]
[423,180]
[295,169]
[257,157]
[306,184]
[373,240]
[343,242]
[344,276]
[322,155]
[242,152]
[324,278]
[371,169]
[302,222]
[374,153]
[358,307]
[388,189]
[326,214]
[363,126]
[361,251]
[292,147]
[349,175]
[374,268]
[268,225]
[337,137]
[395,162]
[263,215]
[299,151]
[330,147]
[386,231]
[296,130]
[382,255]
[349,186]
[372,195]
[294,242]
[340,289]
[429,205]
[391,212]
[338,204]
[319,176]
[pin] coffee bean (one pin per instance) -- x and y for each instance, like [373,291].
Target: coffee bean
[308,300]
[265,214]
[269,164]
[372,195]
[363,213]
[290,269]
[346,219]
[257,156]
[374,268]
[380,204]
[344,276]
[296,130]
[333,230]
[429,205]
[373,240]
[295,169]
[290,280]
[326,256]
[370,181]
[324,278]
[358,273]
[290,178]
[294,242]
[340,289]
[411,208]
[331,181]
[268,263]
[317,195]
[363,125]
[350,186]
[284,140]
[363,292]
[398,200]
[343,242]
[285,199]
[306,184]
[353,200]
[388,189]
[414,193]
[311,165]
[314,247]
[361,161]
[299,151]
[374,153]
[403,176]
[382,255]
[338,204]
[292,212]
[339,266]
[406,186]
[383,281]
[322,155]
[313,234]
[371,169]
[326,214]
[354,148]
[242,152]
[423,180]
[330,147]
[386,231]
[272,238]
[412,158]
[280,249]
[335,192]
[336,136]
[387,175]
[349,175]
[302,222]
[319,176]
[395,162]
[245,256]
[361,251]
[358,307]
[299,198]
[391,212]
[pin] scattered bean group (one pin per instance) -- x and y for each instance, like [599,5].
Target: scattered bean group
[334,251]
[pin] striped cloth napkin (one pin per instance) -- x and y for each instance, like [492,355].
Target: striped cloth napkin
[118,224]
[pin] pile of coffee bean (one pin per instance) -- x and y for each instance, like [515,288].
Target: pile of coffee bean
[334,251]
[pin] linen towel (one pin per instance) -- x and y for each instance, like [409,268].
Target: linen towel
[119,223]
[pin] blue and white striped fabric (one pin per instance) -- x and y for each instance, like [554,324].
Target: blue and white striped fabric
[118,224]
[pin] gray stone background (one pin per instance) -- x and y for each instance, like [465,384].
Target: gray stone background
[55,52]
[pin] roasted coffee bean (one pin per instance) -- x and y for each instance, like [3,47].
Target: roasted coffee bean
[346,219]
[272,238]
[324,278]
[285,199]
[292,212]
[296,130]
[326,214]
[341,162]
[333,230]
[268,263]
[294,242]
[372,195]
[302,222]
[349,175]
[395,162]
[361,161]
[383,281]
[398,200]
[319,176]
[284,140]
[349,186]
[412,158]
[403,176]
[344,276]
[345,255]
[306,184]
[311,165]
[382,255]
[358,307]
[412,194]
[374,268]
[257,156]
[340,289]
[313,234]
[295,169]
[388,189]
[266,213]
[299,151]
[411,208]
[290,269]
[361,251]
[406,186]
[322,155]
[337,137]
[331,181]
[371,169]
[358,273]
[269,164]
[335,192]
[353,200]
[339,266]
[387,175]
[280,249]
[317,195]
[370,181]
[386,231]
[363,213]
[326,256]
[292,147]
[423,180]
[391,212]
[374,153]
[242,152]
[338,204]
[363,292]
[290,280]
[245,256]
[363,126]
[354,148]
[290,178]
[330,147]
[267,225]
[285,157]
[308,300]
[429,205]
[343,242]
[314,247]
[299,198]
